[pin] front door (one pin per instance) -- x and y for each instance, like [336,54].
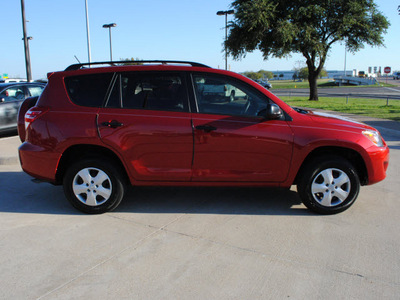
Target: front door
[233,141]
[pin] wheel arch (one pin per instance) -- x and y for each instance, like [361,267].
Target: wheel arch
[78,152]
[351,155]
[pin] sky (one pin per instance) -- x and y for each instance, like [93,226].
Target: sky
[153,29]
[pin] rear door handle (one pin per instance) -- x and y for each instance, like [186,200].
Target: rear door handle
[112,124]
[206,128]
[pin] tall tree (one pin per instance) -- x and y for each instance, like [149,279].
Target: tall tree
[310,27]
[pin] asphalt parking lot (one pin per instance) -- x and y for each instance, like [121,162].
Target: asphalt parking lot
[198,243]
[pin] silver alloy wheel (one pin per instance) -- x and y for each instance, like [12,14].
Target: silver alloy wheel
[331,187]
[92,186]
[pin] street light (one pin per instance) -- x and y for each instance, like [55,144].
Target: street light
[87,32]
[226,13]
[28,58]
[109,28]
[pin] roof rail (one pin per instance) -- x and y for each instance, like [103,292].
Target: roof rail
[134,62]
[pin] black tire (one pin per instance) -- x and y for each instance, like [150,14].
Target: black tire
[101,184]
[327,196]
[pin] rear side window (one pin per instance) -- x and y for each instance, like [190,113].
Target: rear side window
[152,91]
[35,90]
[88,90]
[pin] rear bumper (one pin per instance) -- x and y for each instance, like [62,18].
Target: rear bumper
[38,162]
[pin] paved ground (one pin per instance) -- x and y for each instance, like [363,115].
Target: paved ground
[389,80]
[198,243]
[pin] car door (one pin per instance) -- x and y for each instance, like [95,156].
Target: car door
[233,141]
[147,120]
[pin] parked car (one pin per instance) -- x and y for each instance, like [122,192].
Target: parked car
[9,80]
[11,97]
[97,130]
[265,84]
[396,75]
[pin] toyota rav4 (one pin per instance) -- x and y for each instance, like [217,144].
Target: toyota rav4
[97,130]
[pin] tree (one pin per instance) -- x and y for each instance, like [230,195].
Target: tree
[130,61]
[253,75]
[262,74]
[266,74]
[310,27]
[323,73]
[303,73]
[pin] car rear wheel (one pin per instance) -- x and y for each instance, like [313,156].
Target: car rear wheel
[329,185]
[94,186]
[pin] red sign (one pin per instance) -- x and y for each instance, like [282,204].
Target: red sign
[387,70]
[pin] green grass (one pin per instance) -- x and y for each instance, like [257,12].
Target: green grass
[376,108]
[325,83]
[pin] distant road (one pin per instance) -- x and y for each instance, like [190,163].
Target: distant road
[361,92]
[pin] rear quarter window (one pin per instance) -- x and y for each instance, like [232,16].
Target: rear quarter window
[88,90]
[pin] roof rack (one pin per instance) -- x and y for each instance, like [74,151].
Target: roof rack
[134,62]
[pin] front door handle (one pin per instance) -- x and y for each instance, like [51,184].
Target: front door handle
[112,124]
[206,128]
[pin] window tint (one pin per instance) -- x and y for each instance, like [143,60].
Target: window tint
[88,90]
[35,90]
[227,96]
[154,91]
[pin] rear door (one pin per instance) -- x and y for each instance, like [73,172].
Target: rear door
[233,139]
[147,120]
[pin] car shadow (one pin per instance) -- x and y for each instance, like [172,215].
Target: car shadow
[9,133]
[213,200]
[18,194]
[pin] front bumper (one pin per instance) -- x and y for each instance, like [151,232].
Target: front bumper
[377,163]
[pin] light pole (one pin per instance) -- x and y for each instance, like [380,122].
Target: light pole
[87,31]
[226,13]
[109,26]
[345,54]
[26,44]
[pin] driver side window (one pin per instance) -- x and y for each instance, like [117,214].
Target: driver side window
[225,96]
[13,94]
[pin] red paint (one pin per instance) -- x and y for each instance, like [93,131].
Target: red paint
[164,147]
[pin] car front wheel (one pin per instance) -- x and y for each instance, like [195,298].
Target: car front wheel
[94,186]
[329,185]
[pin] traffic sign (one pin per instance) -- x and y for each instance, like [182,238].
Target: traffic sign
[387,70]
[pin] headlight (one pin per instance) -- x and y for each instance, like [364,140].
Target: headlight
[374,137]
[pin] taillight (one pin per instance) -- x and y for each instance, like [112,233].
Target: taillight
[33,113]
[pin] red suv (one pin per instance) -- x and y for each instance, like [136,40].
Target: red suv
[95,130]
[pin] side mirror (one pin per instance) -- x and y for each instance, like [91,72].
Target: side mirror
[274,112]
